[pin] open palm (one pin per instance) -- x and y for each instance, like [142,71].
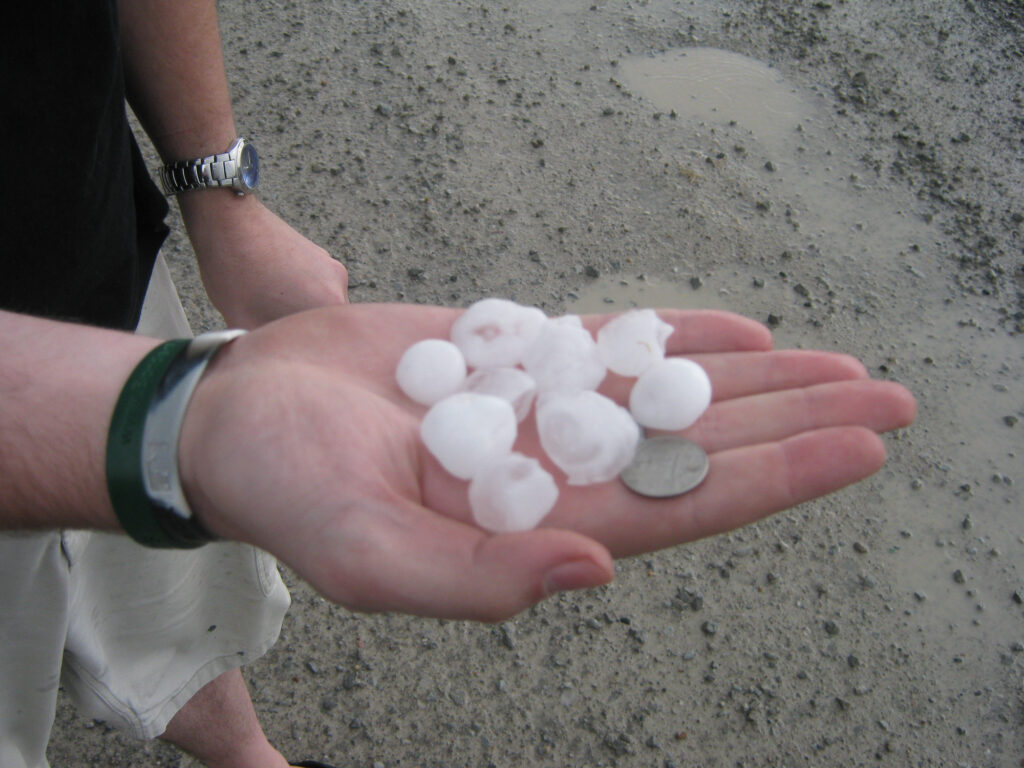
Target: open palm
[299,441]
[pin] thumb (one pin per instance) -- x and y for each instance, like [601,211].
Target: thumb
[422,563]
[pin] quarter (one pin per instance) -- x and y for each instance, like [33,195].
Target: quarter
[665,466]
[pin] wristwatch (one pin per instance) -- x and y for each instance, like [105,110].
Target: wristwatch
[238,168]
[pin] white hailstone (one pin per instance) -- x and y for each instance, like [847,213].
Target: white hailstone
[466,431]
[573,321]
[511,384]
[496,332]
[512,494]
[633,341]
[564,358]
[587,435]
[670,395]
[430,370]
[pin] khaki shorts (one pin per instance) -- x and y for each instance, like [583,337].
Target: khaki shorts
[131,633]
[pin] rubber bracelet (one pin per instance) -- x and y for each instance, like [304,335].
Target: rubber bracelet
[142,444]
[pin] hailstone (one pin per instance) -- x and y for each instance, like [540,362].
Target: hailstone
[466,431]
[564,357]
[496,332]
[633,341]
[430,370]
[512,494]
[512,384]
[587,435]
[670,395]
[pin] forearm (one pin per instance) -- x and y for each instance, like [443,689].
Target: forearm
[59,383]
[175,77]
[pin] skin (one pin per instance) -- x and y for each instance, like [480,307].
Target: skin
[334,480]
[298,441]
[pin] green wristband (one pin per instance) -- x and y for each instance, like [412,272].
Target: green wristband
[124,446]
[142,444]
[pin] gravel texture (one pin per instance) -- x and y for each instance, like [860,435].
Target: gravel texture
[422,142]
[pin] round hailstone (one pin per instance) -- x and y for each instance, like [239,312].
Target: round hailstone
[588,436]
[467,431]
[430,370]
[633,341]
[496,332]
[564,357]
[670,395]
[512,494]
[511,384]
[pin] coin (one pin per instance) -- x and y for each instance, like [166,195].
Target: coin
[665,466]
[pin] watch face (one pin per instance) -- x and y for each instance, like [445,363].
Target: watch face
[249,167]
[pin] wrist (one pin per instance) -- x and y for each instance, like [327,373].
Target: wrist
[142,449]
[200,440]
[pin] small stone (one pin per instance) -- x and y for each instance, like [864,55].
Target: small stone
[508,635]
[860,548]
[958,576]
[1010,421]
[709,628]
[852,661]
[831,627]
[696,283]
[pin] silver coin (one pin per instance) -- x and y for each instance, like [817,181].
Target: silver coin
[665,466]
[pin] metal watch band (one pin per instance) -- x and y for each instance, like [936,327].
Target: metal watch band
[212,171]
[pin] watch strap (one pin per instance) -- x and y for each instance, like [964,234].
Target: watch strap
[212,171]
[142,445]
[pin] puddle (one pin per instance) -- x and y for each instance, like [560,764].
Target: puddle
[716,86]
[612,295]
[724,99]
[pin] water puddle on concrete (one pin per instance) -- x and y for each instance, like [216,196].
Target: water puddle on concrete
[864,231]
[716,86]
[613,295]
[733,99]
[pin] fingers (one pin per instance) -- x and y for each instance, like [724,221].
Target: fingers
[408,559]
[746,373]
[703,330]
[743,486]
[877,405]
[763,479]
[739,374]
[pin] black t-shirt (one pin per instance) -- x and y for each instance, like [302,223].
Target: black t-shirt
[81,221]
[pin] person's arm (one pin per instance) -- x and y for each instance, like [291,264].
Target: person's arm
[298,440]
[255,267]
[58,386]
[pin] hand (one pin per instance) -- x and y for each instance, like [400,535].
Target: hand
[255,267]
[299,441]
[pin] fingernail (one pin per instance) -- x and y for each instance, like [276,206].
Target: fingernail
[576,574]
